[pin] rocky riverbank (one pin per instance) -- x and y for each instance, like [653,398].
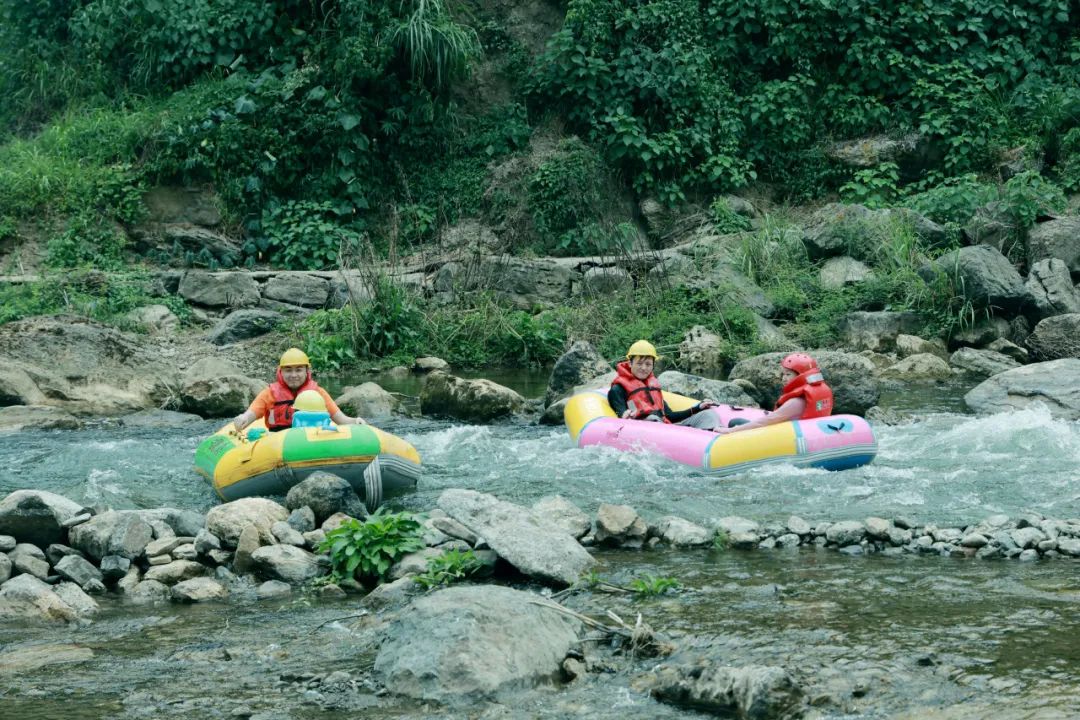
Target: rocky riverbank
[61,562]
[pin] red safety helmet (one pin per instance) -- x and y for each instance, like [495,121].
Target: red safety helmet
[799,363]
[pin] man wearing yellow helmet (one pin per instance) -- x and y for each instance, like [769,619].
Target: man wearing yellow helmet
[275,403]
[635,393]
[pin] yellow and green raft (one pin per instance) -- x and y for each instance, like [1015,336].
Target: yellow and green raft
[376,463]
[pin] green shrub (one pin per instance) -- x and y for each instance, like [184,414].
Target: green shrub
[650,585]
[105,298]
[1029,195]
[874,187]
[87,241]
[954,200]
[448,568]
[1069,169]
[725,220]
[368,549]
[303,235]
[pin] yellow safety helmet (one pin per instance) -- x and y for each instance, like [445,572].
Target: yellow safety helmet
[309,401]
[642,348]
[294,356]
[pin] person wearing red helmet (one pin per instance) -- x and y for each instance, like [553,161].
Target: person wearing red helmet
[805,394]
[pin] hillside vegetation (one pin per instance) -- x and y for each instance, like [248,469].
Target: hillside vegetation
[337,129]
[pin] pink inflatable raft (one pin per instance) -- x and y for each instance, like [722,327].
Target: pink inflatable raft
[837,442]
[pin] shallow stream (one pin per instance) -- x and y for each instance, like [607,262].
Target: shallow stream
[873,636]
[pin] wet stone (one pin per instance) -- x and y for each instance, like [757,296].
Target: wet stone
[899,536]
[788,540]
[286,534]
[767,544]
[206,541]
[903,522]
[55,552]
[7,543]
[974,540]
[78,570]
[878,528]
[159,560]
[302,519]
[185,552]
[273,589]
[852,550]
[1048,545]
[114,567]
[165,545]
[797,525]
[1029,555]
[1027,537]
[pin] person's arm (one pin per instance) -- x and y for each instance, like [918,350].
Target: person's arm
[791,410]
[616,397]
[244,419]
[677,416]
[341,418]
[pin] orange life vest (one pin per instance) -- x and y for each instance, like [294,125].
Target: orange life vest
[281,415]
[648,399]
[810,386]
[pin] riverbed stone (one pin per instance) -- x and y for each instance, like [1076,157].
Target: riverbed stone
[114,567]
[477,400]
[876,331]
[440,647]
[29,598]
[5,568]
[679,532]
[29,559]
[78,570]
[578,365]
[56,551]
[7,543]
[273,589]
[302,519]
[518,536]
[563,515]
[922,366]
[249,541]
[1051,286]
[149,592]
[981,363]
[878,528]
[798,526]
[122,533]
[326,494]
[1055,384]
[165,545]
[36,417]
[286,534]
[620,525]
[1069,546]
[200,589]
[946,535]
[74,596]
[846,532]
[757,692]
[287,563]
[974,540]
[36,516]
[229,520]
[131,578]
[1056,337]
[1027,537]
[1028,555]
[205,541]
[368,400]
[695,386]
[175,571]
[414,563]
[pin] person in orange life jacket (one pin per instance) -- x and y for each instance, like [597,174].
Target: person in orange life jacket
[805,394]
[635,393]
[275,403]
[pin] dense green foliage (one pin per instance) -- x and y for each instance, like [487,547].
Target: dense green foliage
[104,298]
[367,549]
[685,95]
[448,568]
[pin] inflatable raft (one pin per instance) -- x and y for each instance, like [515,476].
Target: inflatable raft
[836,442]
[376,463]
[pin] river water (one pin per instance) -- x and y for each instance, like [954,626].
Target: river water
[869,636]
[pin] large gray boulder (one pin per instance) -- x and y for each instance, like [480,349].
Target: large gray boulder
[876,330]
[36,516]
[722,391]
[14,418]
[213,388]
[368,400]
[837,272]
[604,282]
[471,400]
[854,230]
[326,494]
[219,289]
[298,288]
[983,276]
[243,324]
[754,692]
[17,387]
[524,283]
[981,363]
[1058,238]
[1056,337]
[472,642]
[1051,288]
[229,520]
[576,366]
[112,533]
[702,352]
[921,366]
[154,319]
[25,597]
[850,376]
[519,536]
[287,563]
[1055,384]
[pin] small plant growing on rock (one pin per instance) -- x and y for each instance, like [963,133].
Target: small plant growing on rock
[368,549]
[649,585]
[721,541]
[451,566]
